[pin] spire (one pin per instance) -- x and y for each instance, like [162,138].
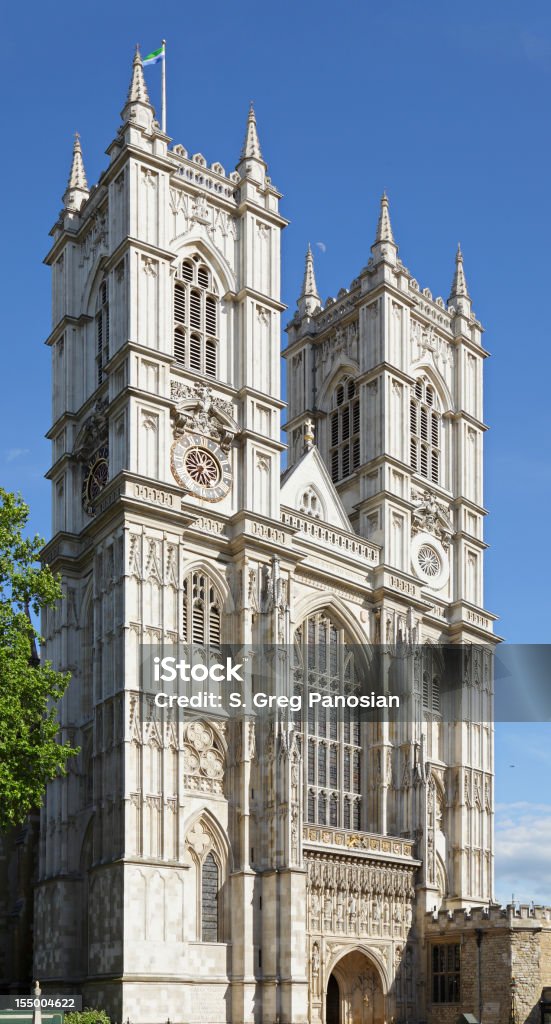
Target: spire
[384,246]
[77,190]
[137,91]
[138,107]
[459,284]
[384,227]
[251,165]
[459,295]
[309,299]
[251,145]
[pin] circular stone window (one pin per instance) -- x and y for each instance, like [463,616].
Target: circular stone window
[429,561]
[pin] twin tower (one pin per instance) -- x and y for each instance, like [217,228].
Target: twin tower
[240,871]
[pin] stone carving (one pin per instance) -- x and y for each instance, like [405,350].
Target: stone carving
[343,342]
[93,434]
[203,760]
[197,411]
[431,516]
[357,897]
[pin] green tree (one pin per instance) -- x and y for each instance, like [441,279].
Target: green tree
[30,752]
[87,1016]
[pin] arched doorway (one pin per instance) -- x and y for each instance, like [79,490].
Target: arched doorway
[332,1001]
[355,991]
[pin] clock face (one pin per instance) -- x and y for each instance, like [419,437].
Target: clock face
[97,475]
[201,467]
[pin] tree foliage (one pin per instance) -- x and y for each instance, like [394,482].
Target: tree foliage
[87,1016]
[30,751]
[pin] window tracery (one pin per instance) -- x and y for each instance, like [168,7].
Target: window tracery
[324,659]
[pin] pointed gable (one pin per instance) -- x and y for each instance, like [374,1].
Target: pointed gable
[307,487]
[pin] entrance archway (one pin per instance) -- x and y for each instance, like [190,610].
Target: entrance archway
[355,991]
[333,1002]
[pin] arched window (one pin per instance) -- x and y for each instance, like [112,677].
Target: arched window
[425,430]
[102,331]
[196,317]
[333,750]
[201,611]
[344,425]
[209,899]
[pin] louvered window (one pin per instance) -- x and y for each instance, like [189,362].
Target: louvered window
[344,449]
[425,431]
[202,610]
[430,693]
[196,318]
[331,737]
[102,332]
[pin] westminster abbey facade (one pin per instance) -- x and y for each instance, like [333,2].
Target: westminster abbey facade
[196,870]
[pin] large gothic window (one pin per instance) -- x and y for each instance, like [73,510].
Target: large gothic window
[102,331]
[202,609]
[196,317]
[425,430]
[344,426]
[331,737]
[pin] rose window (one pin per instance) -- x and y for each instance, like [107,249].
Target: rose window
[202,467]
[429,561]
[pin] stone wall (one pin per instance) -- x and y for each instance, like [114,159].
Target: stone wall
[497,945]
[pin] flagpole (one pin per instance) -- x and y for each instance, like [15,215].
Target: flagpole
[163,89]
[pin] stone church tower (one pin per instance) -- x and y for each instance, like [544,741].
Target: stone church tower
[204,870]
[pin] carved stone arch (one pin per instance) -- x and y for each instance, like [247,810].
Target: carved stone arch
[219,842]
[333,604]
[207,848]
[217,577]
[424,369]
[345,368]
[186,245]
[373,957]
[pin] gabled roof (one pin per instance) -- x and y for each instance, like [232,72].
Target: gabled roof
[310,471]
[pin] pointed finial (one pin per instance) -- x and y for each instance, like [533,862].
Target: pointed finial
[459,284]
[137,92]
[138,107]
[251,146]
[384,228]
[459,295]
[384,246]
[309,300]
[77,187]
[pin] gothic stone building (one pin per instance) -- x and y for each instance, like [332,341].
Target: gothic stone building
[181,875]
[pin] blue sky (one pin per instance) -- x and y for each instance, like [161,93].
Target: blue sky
[450,112]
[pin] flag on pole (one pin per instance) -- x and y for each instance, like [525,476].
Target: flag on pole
[155,57]
[159,57]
